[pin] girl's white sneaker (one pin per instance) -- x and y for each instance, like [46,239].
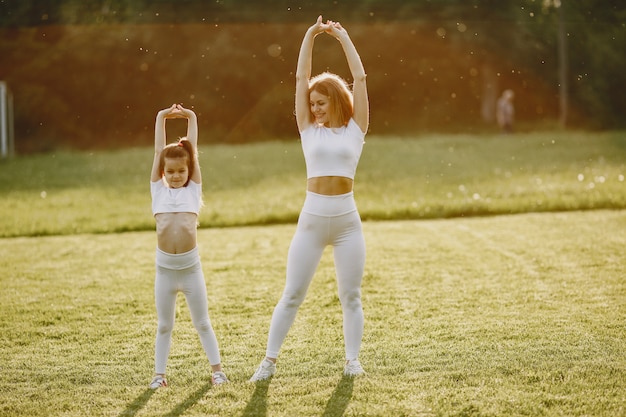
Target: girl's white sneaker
[219,378]
[158,382]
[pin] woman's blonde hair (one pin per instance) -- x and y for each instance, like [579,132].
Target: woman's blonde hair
[339,95]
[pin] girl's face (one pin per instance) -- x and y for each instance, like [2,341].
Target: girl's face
[176,172]
[320,107]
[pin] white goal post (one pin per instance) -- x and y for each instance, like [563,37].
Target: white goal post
[7,142]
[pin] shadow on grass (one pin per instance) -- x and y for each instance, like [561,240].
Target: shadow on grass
[257,406]
[134,407]
[190,401]
[340,399]
[336,406]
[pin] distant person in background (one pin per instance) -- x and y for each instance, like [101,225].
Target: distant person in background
[505,111]
[332,121]
[176,188]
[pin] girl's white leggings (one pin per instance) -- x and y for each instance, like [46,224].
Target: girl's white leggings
[324,220]
[181,273]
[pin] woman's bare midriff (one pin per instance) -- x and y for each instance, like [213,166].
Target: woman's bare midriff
[329,185]
[176,232]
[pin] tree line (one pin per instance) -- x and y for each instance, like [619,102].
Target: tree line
[91,74]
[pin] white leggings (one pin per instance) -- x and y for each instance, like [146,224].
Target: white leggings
[324,220]
[174,273]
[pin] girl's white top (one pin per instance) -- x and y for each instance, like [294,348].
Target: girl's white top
[175,200]
[332,151]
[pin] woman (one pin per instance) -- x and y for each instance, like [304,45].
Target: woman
[332,122]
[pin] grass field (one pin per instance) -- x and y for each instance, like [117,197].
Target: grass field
[520,314]
[506,316]
[434,177]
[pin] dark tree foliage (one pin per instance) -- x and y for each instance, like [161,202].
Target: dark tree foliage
[93,73]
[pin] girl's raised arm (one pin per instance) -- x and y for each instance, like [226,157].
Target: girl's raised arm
[359,89]
[192,124]
[159,140]
[303,74]
[192,137]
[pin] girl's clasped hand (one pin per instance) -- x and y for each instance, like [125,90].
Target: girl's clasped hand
[176,111]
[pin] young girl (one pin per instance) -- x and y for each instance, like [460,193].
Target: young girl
[176,189]
[332,122]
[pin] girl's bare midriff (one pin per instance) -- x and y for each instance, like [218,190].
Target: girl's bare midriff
[176,232]
[329,185]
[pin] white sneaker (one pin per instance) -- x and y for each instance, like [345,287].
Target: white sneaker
[158,382]
[219,378]
[265,370]
[353,368]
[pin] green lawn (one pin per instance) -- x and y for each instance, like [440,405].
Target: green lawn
[433,177]
[501,316]
[495,283]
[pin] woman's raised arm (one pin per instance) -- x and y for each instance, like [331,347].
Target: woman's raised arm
[303,74]
[359,88]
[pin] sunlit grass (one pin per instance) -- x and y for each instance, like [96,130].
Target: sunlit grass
[448,176]
[501,315]
[437,176]
[504,316]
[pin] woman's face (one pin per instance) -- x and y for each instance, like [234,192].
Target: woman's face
[320,107]
[176,172]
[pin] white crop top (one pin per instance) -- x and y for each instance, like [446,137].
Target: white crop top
[332,151]
[175,200]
